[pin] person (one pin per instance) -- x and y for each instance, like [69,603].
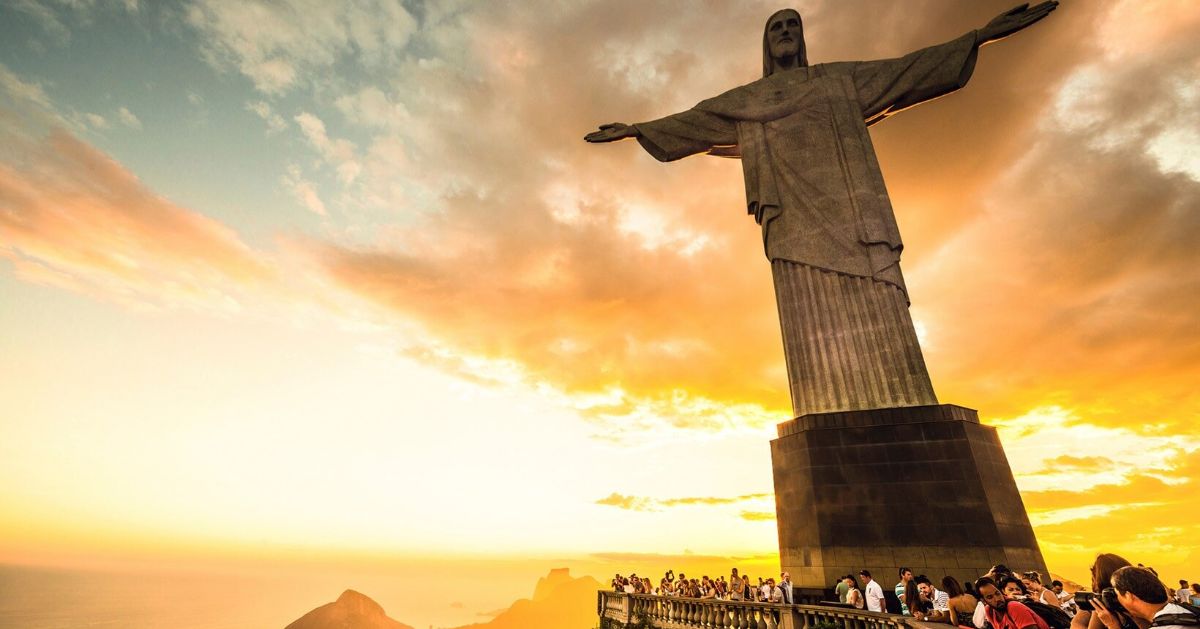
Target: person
[913,602]
[1196,594]
[842,589]
[872,592]
[960,602]
[1184,593]
[1004,613]
[939,601]
[775,592]
[1145,598]
[707,588]
[853,595]
[789,594]
[1032,581]
[998,573]
[815,187]
[1013,589]
[1066,600]
[906,575]
[1102,570]
[735,586]
[764,590]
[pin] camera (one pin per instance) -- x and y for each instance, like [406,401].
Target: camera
[1108,598]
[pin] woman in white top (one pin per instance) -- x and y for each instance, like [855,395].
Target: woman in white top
[1037,591]
[853,596]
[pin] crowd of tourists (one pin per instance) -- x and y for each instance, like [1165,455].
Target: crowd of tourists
[1122,596]
[736,588]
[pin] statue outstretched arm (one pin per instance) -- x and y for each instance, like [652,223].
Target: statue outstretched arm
[1013,20]
[675,136]
[889,86]
[612,132]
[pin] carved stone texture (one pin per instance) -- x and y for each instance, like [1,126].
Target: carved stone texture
[927,487]
[814,184]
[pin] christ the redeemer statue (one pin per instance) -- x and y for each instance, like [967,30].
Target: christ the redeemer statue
[814,184]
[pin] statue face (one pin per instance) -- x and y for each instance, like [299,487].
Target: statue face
[785,35]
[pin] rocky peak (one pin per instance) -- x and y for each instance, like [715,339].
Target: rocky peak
[547,584]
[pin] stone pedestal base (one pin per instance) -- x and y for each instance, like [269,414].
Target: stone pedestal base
[926,487]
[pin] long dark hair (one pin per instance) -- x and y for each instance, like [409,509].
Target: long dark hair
[1102,571]
[912,596]
[951,586]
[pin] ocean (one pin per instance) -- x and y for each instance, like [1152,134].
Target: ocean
[52,598]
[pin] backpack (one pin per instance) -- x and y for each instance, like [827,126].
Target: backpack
[1189,619]
[1054,616]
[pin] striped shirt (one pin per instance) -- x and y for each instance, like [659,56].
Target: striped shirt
[941,600]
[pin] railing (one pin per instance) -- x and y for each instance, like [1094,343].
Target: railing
[666,612]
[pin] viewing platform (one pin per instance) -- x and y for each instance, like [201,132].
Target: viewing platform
[668,612]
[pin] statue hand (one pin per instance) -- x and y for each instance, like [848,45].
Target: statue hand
[612,132]
[1014,20]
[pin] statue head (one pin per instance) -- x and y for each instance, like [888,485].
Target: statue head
[783,42]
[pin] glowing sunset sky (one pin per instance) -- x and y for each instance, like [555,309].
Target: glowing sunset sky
[302,277]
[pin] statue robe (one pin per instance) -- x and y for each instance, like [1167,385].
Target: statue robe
[814,184]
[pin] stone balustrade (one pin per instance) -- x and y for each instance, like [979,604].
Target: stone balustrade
[664,612]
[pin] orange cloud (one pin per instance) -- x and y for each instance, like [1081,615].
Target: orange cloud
[75,218]
[1149,518]
[641,287]
[1067,462]
[641,503]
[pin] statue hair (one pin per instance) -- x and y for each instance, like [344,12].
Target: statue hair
[768,60]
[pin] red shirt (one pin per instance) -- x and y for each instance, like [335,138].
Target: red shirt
[1016,616]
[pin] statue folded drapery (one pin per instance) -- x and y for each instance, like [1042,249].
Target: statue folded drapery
[814,185]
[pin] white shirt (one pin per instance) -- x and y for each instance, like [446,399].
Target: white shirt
[875,597]
[979,618]
[1183,595]
[1171,608]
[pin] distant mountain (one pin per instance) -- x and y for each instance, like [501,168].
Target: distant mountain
[547,584]
[351,611]
[559,602]
[1068,585]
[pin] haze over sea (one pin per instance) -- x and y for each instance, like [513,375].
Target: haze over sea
[440,595]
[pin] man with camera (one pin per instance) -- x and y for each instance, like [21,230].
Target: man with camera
[1145,597]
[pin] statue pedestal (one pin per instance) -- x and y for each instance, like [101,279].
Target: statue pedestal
[926,487]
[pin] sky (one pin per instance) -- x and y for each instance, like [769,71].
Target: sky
[300,279]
